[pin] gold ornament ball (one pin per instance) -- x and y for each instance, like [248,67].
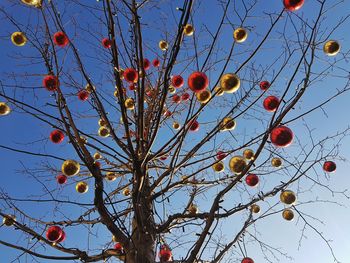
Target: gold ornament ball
[237,164]
[19,39]
[111,176]
[176,125]
[288,214]
[102,122]
[103,132]
[9,220]
[129,103]
[97,156]
[126,191]
[70,167]
[4,109]
[193,209]
[35,3]
[255,209]
[163,45]
[331,48]
[89,88]
[218,167]
[81,187]
[240,35]
[248,154]
[276,162]
[171,89]
[114,239]
[288,197]
[219,91]
[228,124]
[188,30]
[203,96]
[230,83]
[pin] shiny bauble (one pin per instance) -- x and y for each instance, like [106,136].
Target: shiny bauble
[62,238]
[146,64]
[9,220]
[240,35]
[50,83]
[111,176]
[230,83]
[264,85]
[60,39]
[131,75]
[281,136]
[89,88]
[255,208]
[165,254]
[106,43]
[114,238]
[185,96]
[70,167]
[83,95]
[331,48]
[288,214]
[247,260]
[102,122]
[129,103]
[4,109]
[19,39]
[53,233]
[176,125]
[163,45]
[271,103]
[329,166]
[198,81]
[220,155]
[97,156]
[276,162]
[176,99]
[237,164]
[293,5]
[171,89]
[288,197]
[248,154]
[119,248]
[126,191]
[228,124]
[203,96]
[252,180]
[177,81]
[219,91]
[193,209]
[218,167]
[156,63]
[34,3]
[104,132]
[188,30]
[81,187]
[61,179]
[194,126]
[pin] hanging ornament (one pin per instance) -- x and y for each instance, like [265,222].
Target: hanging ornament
[240,35]
[9,220]
[119,248]
[165,253]
[230,83]
[331,48]
[131,75]
[81,187]
[70,167]
[50,83]
[89,88]
[218,167]
[19,39]
[194,125]
[193,209]
[228,124]
[271,103]
[198,81]
[83,95]
[281,136]
[146,64]
[106,43]
[53,233]
[203,96]
[248,154]
[171,90]
[237,164]
[102,122]
[176,125]
[177,81]
[220,155]
[288,214]
[61,179]
[62,238]
[103,132]
[264,85]
[129,103]
[276,162]
[126,191]
[163,45]
[247,260]
[97,156]
[34,3]
[60,39]
[255,208]
[252,180]
[176,99]
[288,197]
[293,5]
[156,63]
[111,176]
[57,136]
[82,140]
[329,166]
[219,91]
[114,238]
[185,96]
[4,109]
[188,30]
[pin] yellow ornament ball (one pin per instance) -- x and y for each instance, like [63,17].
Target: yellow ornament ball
[276,162]
[240,35]
[288,214]
[103,132]
[219,91]
[35,3]
[331,48]
[102,122]
[129,103]
[228,124]
[255,208]
[4,109]
[70,167]
[163,45]
[97,156]
[288,197]
[218,167]
[193,209]
[9,220]
[126,191]
[19,39]
[203,96]
[188,30]
[230,83]
[111,176]
[176,125]
[237,164]
[81,187]
[171,89]
[248,154]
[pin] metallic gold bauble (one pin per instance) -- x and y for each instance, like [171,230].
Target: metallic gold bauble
[288,214]
[193,209]
[114,238]
[70,167]
[129,103]
[103,131]
[4,109]
[172,89]
[240,35]
[82,187]
[90,88]
[203,96]
[237,164]
[255,209]
[163,45]
[19,39]
[176,125]
[248,154]
[34,3]
[184,178]
[331,48]
[219,91]
[126,191]
[111,176]
[230,83]
[218,167]
[228,124]
[102,122]
[288,197]
[115,94]
[97,156]
[188,30]
[276,162]
[9,220]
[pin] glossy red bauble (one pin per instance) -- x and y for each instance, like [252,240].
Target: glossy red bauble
[194,126]
[56,136]
[132,87]
[185,96]
[281,136]
[264,85]
[83,95]
[50,83]
[62,238]
[54,233]
[106,43]
[220,155]
[61,179]
[329,166]
[118,247]
[146,64]
[247,260]
[131,75]
[198,81]
[163,157]
[293,5]
[177,81]
[271,103]
[60,39]
[252,180]
[156,63]
[165,254]
[176,99]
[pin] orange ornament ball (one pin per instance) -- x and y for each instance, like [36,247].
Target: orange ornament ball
[4,109]
[198,81]
[81,187]
[9,220]
[70,167]
[19,39]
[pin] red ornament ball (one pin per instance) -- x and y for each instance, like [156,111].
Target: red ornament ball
[194,126]
[281,136]
[106,43]
[156,63]
[146,64]
[165,253]
[61,179]
[132,87]
[264,85]
[177,81]
[271,103]
[329,166]
[247,260]
[176,99]
[131,75]
[252,180]
[83,95]
[198,81]
[185,96]
[118,247]
[54,233]
[293,5]
[163,157]
[62,238]
[56,136]
[60,39]
[50,83]
[220,155]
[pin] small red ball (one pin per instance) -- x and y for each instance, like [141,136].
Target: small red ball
[106,43]
[329,166]
[57,136]
[293,5]
[271,103]
[198,81]
[264,85]
[281,136]
[252,180]
[177,81]
[131,75]
[220,155]
[163,157]
[132,87]
[60,39]
[83,95]
[156,63]
[146,64]
[194,126]
[62,238]
[54,233]
[118,247]
[165,253]
[176,99]
[61,179]
[50,83]
[247,260]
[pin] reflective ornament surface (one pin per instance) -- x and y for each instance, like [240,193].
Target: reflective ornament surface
[218,167]
[271,103]
[293,5]
[129,103]
[106,43]
[103,131]
[188,30]
[228,124]
[230,83]
[70,167]
[53,233]
[288,214]
[126,191]
[281,136]
[248,154]
[81,187]
[146,64]
[193,209]
[119,248]
[276,162]
[264,85]
[4,109]
[255,208]
[237,164]
[56,136]
[219,91]
[97,156]
[247,260]
[194,126]
[34,3]
[252,180]
[130,75]
[240,35]
[165,253]
[329,166]
[185,96]
[220,155]
[288,197]
[9,220]
[156,63]
[60,39]
[61,179]
[171,90]
[177,81]
[83,95]
[203,96]
[176,99]
[163,45]
[198,81]
[331,48]
[19,39]
[176,125]
[50,83]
